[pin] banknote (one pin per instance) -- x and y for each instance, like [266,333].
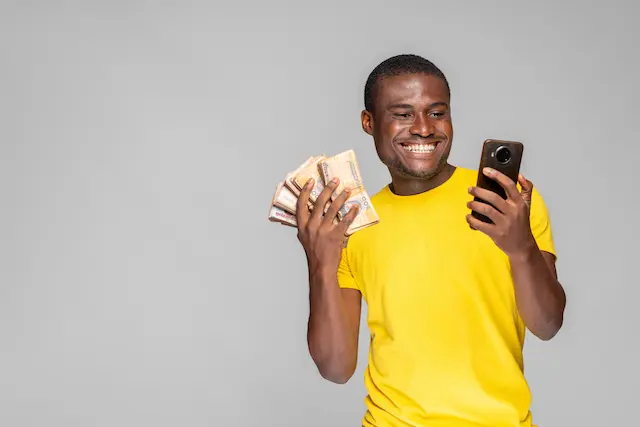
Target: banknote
[344,166]
[323,169]
[283,209]
[367,215]
[284,199]
[311,171]
[288,179]
[283,217]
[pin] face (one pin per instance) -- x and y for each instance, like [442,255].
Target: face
[411,125]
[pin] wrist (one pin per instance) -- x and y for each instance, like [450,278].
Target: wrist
[525,252]
[321,274]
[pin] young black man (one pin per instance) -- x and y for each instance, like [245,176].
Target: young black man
[449,297]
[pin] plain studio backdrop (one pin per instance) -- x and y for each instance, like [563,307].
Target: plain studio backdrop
[140,281]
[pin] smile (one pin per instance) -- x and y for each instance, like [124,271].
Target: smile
[420,148]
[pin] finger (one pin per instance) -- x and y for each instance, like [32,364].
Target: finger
[321,201]
[335,206]
[302,209]
[482,226]
[486,210]
[504,181]
[527,189]
[346,221]
[490,197]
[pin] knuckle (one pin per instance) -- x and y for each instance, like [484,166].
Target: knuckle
[328,188]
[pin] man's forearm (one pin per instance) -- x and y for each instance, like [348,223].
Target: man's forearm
[331,338]
[539,296]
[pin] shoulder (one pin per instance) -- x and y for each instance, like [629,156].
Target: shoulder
[468,173]
[465,175]
[538,204]
[380,194]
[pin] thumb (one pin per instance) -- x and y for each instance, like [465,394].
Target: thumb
[527,189]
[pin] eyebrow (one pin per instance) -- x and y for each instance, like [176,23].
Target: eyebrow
[433,105]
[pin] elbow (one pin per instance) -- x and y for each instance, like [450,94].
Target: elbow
[547,326]
[549,330]
[336,376]
[335,368]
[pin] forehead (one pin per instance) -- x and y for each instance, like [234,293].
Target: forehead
[415,89]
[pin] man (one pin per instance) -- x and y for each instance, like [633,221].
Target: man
[449,297]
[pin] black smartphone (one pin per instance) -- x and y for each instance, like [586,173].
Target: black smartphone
[503,156]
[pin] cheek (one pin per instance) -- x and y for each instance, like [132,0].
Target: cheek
[445,127]
[392,130]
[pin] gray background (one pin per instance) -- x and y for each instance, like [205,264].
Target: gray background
[140,281]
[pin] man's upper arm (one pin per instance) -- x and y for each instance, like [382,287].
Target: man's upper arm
[346,278]
[551,262]
[353,304]
[542,231]
[351,292]
[541,226]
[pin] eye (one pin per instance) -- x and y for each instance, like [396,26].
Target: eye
[402,115]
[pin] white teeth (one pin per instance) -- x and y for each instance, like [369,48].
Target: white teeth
[420,148]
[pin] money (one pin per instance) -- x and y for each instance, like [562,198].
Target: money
[305,174]
[283,217]
[288,180]
[345,167]
[323,169]
[367,215]
[285,199]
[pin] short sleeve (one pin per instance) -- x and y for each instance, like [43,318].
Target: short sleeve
[346,278]
[541,223]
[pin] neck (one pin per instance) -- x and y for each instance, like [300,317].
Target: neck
[404,186]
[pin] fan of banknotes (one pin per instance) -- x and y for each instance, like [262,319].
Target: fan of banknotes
[323,169]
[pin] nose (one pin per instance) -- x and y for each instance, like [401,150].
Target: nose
[422,126]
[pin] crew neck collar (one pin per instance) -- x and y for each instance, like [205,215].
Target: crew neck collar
[424,194]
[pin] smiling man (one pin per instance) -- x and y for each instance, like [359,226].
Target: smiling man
[449,298]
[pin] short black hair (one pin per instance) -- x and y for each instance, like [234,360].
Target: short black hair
[399,65]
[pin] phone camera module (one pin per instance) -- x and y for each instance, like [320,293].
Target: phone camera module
[503,155]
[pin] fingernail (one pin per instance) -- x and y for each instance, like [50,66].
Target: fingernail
[488,171]
[310,182]
[334,181]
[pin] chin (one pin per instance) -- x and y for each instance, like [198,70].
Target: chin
[423,172]
[414,168]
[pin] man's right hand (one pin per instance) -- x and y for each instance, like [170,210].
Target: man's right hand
[322,238]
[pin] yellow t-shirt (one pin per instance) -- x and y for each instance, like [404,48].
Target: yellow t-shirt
[446,336]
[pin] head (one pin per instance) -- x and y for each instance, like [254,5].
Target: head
[407,112]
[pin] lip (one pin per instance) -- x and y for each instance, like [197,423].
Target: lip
[438,141]
[416,154]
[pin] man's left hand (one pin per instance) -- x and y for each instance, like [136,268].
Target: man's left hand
[511,230]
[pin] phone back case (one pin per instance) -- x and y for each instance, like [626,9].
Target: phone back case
[490,157]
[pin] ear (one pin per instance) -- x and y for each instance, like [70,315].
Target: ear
[367,122]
